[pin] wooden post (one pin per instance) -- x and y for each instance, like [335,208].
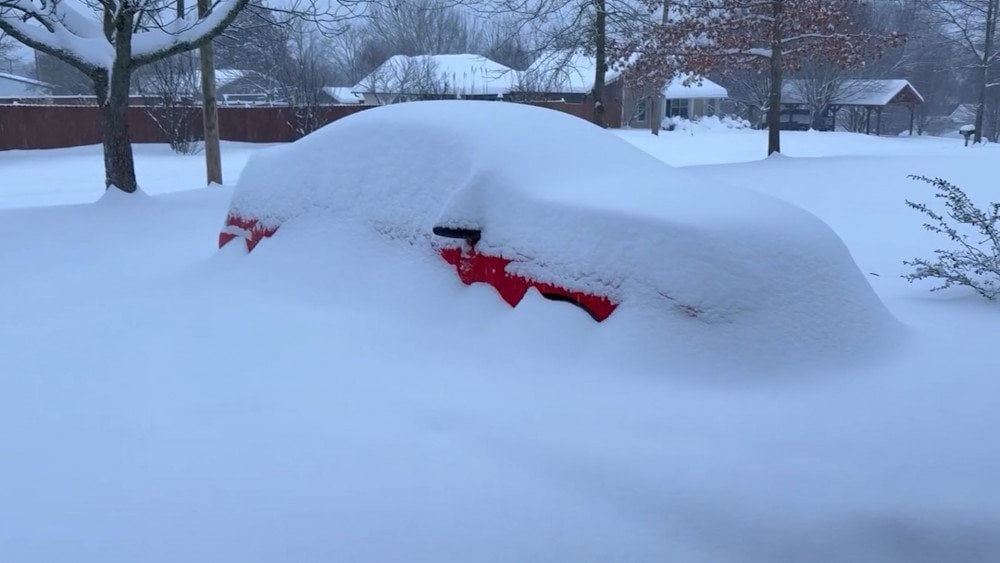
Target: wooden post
[911,119]
[878,121]
[868,120]
[210,110]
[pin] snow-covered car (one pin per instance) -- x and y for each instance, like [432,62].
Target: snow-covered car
[521,197]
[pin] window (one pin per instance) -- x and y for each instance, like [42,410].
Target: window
[678,108]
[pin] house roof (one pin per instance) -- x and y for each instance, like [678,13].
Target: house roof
[568,71]
[26,80]
[450,74]
[702,88]
[224,76]
[342,94]
[964,113]
[859,92]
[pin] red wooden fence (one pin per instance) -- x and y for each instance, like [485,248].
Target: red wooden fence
[50,126]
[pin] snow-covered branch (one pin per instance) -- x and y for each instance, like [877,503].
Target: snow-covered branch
[59,29]
[184,34]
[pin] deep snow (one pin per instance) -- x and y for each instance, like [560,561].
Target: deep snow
[163,401]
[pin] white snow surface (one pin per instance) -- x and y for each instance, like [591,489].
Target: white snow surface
[641,232]
[342,398]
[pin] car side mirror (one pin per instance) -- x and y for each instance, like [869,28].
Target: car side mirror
[471,236]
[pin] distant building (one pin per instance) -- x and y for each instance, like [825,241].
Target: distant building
[684,97]
[342,95]
[809,103]
[568,76]
[232,86]
[14,86]
[432,77]
[563,75]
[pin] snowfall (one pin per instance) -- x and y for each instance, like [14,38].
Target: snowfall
[322,399]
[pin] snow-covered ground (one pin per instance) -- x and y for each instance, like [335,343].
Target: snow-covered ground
[164,401]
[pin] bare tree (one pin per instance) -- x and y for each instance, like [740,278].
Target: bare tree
[504,41]
[174,84]
[403,78]
[7,47]
[303,75]
[107,40]
[577,26]
[67,79]
[420,27]
[748,91]
[821,86]
[348,57]
[971,25]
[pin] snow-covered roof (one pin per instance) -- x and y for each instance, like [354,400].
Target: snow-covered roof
[342,94]
[855,92]
[224,76]
[439,74]
[965,113]
[703,88]
[26,80]
[568,71]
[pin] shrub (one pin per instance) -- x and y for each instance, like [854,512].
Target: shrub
[975,259]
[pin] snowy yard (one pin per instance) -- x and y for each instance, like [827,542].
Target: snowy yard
[161,400]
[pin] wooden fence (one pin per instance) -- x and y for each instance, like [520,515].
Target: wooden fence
[52,126]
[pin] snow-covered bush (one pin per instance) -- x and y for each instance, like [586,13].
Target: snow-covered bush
[175,118]
[707,123]
[975,262]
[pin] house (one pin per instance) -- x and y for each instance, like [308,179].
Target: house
[562,75]
[963,114]
[232,86]
[568,76]
[427,77]
[235,87]
[685,97]
[342,95]
[811,103]
[14,86]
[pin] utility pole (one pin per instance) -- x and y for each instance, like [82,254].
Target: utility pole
[210,110]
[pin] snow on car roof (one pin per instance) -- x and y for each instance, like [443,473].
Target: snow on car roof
[571,204]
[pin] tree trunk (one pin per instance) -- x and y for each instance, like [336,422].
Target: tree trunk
[112,89]
[600,48]
[210,110]
[658,106]
[983,79]
[656,113]
[774,94]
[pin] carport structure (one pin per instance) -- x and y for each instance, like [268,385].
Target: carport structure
[860,95]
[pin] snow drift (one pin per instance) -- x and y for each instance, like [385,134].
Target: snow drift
[710,266]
